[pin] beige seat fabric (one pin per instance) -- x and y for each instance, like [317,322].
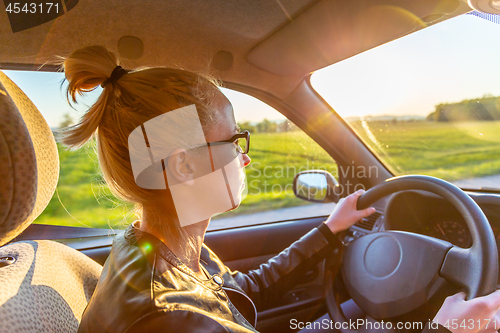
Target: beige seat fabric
[46,289]
[29,167]
[47,285]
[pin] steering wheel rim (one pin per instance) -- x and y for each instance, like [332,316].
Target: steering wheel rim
[478,264]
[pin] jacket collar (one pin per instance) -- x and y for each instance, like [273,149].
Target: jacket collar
[151,245]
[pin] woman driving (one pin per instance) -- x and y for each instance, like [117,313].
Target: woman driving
[168,142]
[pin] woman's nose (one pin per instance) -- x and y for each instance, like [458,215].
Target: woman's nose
[246,160]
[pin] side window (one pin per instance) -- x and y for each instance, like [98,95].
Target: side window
[82,198]
[278,151]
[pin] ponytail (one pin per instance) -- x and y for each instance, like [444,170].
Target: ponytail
[86,69]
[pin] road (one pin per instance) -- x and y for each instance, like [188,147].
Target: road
[484,182]
[323,209]
[273,215]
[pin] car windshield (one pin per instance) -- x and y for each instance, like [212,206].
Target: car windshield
[427,103]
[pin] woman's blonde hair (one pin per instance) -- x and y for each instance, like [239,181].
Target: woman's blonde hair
[135,98]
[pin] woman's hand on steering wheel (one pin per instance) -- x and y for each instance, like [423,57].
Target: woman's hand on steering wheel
[346,214]
[476,315]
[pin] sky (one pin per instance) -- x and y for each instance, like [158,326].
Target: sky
[44,90]
[448,62]
[451,61]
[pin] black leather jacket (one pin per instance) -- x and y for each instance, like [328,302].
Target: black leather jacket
[144,287]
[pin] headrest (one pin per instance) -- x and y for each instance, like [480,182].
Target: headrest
[29,163]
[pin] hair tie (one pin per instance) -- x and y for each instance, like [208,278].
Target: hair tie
[117,73]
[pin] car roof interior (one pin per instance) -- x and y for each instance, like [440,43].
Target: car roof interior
[268,45]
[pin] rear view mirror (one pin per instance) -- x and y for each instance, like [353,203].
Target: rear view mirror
[316,186]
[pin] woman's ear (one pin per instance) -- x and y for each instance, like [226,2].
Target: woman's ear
[179,164]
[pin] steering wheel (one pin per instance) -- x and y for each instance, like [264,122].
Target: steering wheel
[391,273]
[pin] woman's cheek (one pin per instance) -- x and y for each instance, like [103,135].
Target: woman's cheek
[236,179]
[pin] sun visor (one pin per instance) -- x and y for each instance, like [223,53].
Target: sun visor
[332,31]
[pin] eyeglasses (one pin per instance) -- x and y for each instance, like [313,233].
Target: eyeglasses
[242,141]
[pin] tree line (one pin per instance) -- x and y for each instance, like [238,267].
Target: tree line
[267,126]
[486,108]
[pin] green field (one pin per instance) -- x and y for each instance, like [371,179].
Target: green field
[448,150]
[451,151]
[276,157]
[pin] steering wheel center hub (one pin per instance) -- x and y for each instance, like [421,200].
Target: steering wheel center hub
[392,252]
[391,273]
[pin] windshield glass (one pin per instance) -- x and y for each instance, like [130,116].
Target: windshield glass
[427,103]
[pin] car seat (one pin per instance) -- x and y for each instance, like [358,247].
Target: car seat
[44,285]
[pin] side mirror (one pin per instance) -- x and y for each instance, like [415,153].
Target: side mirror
[316,186]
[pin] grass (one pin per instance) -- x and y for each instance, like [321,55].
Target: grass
[451,151]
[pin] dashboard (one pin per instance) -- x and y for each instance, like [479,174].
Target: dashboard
[429,214]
